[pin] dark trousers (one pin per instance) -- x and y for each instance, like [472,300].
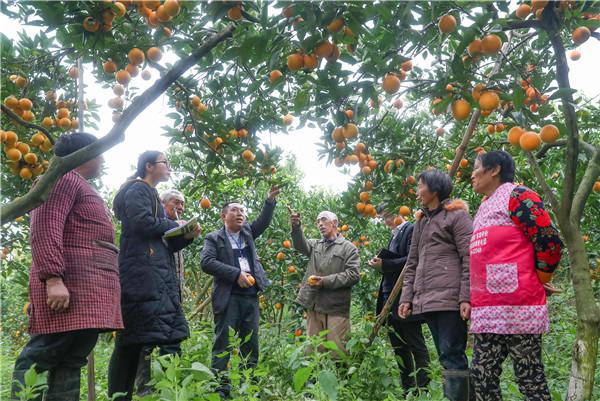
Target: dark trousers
[525,350]
[62,355]
[143,374]
[409,346]
[449,334]
[122,369]
[242,314]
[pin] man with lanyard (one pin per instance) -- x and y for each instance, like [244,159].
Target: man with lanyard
[406,336]
[333,268]
[229,254]
[173,202]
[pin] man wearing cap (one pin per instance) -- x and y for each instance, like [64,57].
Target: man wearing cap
[333,268]
[406,336]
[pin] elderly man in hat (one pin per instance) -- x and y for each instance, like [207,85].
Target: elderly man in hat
[333,269]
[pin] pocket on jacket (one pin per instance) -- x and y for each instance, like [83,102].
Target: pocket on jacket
[105,259]
[502,278]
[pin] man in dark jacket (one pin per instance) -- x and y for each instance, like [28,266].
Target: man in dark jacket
[405,336]
[229,254]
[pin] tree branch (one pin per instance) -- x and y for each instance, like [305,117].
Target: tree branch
[542,182]
[522,24]
[27,124]
[547,146]
[562,77]
[585,188]
[61,165]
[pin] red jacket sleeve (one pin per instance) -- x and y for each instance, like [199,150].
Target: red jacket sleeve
[528,213]
[47,226]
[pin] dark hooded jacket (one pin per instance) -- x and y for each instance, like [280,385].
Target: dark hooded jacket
[150,296]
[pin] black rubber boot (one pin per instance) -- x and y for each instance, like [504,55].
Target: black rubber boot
[143,374]
[63,384]
[456,384]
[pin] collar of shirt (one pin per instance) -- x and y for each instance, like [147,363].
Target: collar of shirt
[329,241]
[398,228]
[235,239]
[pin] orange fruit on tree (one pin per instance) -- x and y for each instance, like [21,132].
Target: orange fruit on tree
[109,66]
[288,119]
[274,75]
[25,104]
[136,56]
[248,155]
[345,227]
[121,8]
[338,134]
[154,54]
[195,100]
[234,13]
[411,180]
[406,66]
[461,109]
[474,48]
[523,11]
[575,55]
[464,163]
[310,61]
[64,123]
[477,90]
[90,24]
[530,92]
[363,196]
[391,84]
[23,148]
[295,61]
[514,135]
[30,158]
[21,82]
[549,133]
[349,114]
[447,23]
[404,210]
[13,154]
[123,77]
[118,90]
[500,127]
[11,102]
[73,72]
[581,34]
[286,243]
[26,173]
[366,170]
[534,107]
[360,207]
[205,203]
[297,332]
[242,133]
[10,138]
[490,129]
[291,269]
[324,49]
[491,44]
[369,209]
[489,100]
[132,69]
[350,131]
[27,115]
[336,25]
[38,139]
[368,185]
[530,141]
[280,256]
[63,112]
[172,7]
[538,4]
[596,187]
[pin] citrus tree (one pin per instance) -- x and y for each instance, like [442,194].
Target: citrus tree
[395,87]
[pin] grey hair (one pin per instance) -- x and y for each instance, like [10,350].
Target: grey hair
[169,194]
[329,216]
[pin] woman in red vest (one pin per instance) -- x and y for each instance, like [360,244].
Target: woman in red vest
[514,251]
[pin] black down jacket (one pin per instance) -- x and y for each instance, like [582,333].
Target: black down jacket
[150,295]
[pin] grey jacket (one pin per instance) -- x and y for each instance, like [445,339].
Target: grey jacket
[338,263]
[217,258]
[436,274]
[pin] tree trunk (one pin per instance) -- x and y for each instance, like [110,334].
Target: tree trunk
[585,348]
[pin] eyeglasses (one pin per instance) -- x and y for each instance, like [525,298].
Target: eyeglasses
[166,163]
[237,209]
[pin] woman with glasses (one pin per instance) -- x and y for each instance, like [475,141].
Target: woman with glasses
[150,296]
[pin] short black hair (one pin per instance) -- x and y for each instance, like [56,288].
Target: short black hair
[499,158]
[70,143]
[226,205]
[148,156]
[438,182]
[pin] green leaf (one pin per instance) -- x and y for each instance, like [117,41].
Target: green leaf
[561,92]
[202,369]
[329,384]
[30,377]
[300,377]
